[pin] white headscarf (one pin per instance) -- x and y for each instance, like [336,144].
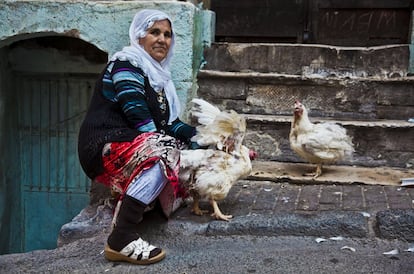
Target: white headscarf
[159,74]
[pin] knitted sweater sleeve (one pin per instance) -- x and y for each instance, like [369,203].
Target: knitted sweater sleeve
[128,84]
[182,131]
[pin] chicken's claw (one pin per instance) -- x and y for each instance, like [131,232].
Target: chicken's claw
[221,216]
[318,171]
[197,211]
[217,212]
[316,174]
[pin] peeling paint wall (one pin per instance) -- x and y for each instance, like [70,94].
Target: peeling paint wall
[105,24]
[8,139]
[4,218]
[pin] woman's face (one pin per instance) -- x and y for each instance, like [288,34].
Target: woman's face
[158,40]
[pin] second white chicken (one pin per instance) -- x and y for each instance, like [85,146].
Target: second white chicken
[318,143]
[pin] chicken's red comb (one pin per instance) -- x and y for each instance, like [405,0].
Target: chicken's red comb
[252,154]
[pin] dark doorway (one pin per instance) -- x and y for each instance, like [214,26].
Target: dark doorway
[50,82]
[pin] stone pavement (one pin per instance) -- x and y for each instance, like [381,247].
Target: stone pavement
[286,206]
[271,202]
[276,201]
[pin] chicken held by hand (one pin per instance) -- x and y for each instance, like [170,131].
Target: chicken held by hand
[209,174]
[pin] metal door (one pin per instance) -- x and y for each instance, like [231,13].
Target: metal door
[53,187]
[260,21]
[333,22]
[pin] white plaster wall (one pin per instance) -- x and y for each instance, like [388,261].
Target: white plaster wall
[105,24]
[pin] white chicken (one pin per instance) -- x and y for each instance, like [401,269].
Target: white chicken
[210,173]
[319,143]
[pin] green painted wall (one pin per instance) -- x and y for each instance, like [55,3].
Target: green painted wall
[411,67]
[103,24]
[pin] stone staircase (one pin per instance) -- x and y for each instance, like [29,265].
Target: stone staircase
[367,90]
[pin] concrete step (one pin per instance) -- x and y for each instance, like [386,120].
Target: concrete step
[367,90]
[377,143]
[275,93]
[308,59]
[374,111]
[282,172]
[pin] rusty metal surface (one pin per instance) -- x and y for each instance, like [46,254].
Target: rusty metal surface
[368,27]
[258,20]
[350,23]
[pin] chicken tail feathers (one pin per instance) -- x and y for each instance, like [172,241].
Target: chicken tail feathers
[204,111]
[222,129]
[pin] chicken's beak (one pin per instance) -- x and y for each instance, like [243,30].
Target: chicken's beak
[297,106]
[298,109]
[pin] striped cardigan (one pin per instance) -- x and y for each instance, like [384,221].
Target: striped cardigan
[123,106]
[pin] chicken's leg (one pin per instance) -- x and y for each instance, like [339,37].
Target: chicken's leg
[317,173]
[217,212]
[196,207]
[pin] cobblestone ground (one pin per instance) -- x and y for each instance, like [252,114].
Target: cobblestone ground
[268,197]
[261,208]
